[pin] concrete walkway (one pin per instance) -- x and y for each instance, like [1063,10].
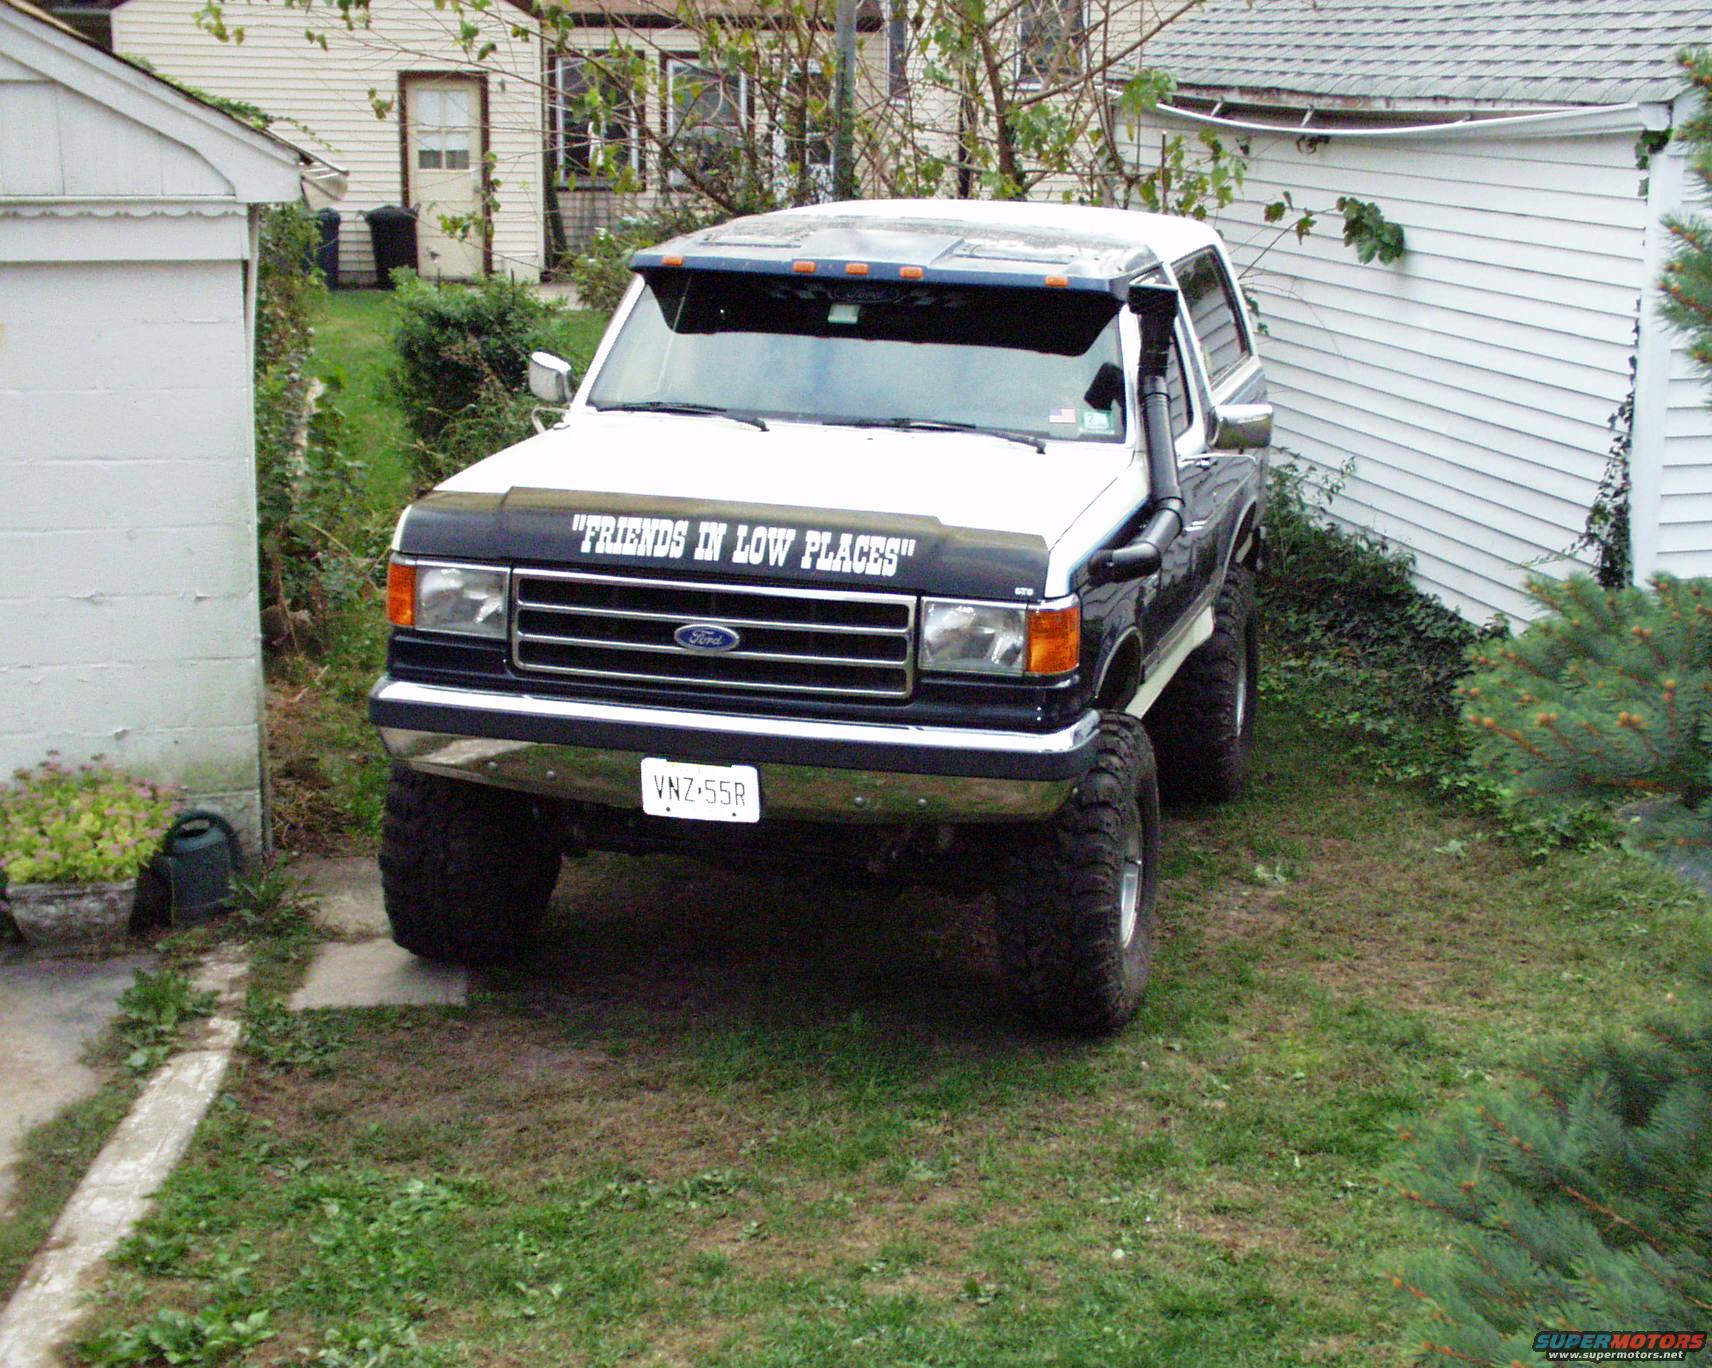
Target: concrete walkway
[50,1010]
[365,969]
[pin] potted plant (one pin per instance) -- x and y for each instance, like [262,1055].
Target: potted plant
[72,842]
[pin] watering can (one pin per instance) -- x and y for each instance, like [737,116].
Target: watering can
[199,857]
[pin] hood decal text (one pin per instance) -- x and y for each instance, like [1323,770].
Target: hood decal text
[708,541]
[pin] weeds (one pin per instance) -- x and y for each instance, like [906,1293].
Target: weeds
[201,1339]
[285,1040]
[153,1012]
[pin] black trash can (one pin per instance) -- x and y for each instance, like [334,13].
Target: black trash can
[327,254]
[393,231]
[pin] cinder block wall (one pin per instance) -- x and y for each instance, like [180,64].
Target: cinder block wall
[128,600]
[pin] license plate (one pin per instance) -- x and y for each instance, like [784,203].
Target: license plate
[701,793]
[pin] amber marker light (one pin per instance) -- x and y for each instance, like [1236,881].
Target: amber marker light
[1054,639]
[401,593]
[673,260]
[855,268]
[803,267]
[1058,282]
[911,272]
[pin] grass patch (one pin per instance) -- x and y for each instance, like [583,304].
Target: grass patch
[750,1122]
[56,1155]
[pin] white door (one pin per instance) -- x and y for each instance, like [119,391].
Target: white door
[444,151]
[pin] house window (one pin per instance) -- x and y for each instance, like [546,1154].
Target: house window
[597,119]
[802,142]
[1050,34]
[1211,298]
[443,120]
[897,49]
[706,115]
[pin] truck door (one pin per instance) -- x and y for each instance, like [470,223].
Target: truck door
[1171,593]
[1222,352]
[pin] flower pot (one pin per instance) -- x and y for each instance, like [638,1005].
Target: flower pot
[73,916]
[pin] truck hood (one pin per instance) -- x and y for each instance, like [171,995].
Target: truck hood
[808,503]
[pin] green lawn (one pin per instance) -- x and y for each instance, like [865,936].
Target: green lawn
[763,1122]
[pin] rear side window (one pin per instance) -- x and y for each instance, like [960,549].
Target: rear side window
[1212,308]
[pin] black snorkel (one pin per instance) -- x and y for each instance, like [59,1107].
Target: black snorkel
[1155,307]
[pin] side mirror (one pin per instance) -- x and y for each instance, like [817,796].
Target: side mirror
[551,379]
[1237,427]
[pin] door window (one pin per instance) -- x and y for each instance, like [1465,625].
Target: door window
[1182,415]
[442,129]
[1211,302]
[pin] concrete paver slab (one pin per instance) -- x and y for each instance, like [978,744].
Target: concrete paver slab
[377,973]
[347,892]
[50,1009]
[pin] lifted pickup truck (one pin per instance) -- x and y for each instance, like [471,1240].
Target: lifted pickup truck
[896,536]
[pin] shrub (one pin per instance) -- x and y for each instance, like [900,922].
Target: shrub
[1582,1201]
[1347,602]
[1378,661]
[602,273]
[91,824]
[458,347]
[1608,693]
[314,551]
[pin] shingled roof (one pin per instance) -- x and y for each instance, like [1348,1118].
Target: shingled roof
[1413,53]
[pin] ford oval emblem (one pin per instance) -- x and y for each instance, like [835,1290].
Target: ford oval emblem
[706,636]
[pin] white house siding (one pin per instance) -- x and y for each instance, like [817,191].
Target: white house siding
[1674,430]
[323,97]
[1467,388]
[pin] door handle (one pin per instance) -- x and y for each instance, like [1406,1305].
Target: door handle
[1198,463]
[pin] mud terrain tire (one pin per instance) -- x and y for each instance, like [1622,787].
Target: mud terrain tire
[466,870]
[1203,724]
[1074,959]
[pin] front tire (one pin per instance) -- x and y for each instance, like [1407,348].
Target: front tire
[1203,724]
[1076,915]
[466,870]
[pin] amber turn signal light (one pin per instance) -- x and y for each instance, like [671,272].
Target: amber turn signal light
[1054,639]
[401,593]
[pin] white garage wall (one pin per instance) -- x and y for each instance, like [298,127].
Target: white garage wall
[324,96]
[1471,383]
[128,600]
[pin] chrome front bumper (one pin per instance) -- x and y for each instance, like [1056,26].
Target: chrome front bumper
[809,770]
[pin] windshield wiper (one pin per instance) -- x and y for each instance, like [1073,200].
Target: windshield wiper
[939,425]
[673,406]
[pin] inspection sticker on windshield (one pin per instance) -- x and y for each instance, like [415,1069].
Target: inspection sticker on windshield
[700,793]
[1096,421]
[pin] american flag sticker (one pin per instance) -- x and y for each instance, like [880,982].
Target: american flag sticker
[1061,415]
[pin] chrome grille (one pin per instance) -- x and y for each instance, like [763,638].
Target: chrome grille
[617,627]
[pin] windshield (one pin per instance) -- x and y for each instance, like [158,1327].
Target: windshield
[1045,363]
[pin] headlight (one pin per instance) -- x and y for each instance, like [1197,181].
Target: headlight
[468,599]
[1000,638]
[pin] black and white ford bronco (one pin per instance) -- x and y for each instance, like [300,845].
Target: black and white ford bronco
[915,538]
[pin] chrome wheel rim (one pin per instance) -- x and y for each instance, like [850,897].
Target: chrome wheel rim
[1129,891]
